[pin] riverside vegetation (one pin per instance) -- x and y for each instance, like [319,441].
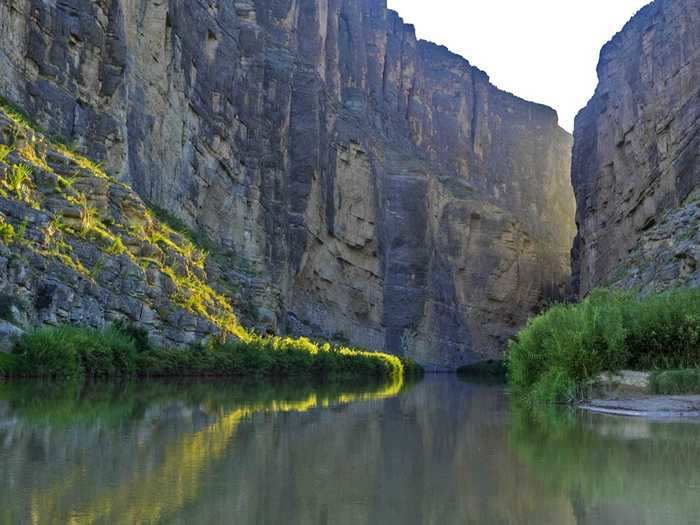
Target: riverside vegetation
[122,350]
[558,356]
[61,209]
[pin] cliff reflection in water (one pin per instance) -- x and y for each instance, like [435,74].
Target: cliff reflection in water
[442,451]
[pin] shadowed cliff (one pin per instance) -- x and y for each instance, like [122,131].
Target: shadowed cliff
[636,157]
[362,185]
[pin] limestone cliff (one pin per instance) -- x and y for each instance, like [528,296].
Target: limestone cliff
[77,247]
[364,185]
[636,159]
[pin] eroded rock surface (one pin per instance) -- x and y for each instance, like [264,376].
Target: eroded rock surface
[366,185]
[636,160]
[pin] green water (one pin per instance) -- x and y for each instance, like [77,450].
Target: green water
[443,452]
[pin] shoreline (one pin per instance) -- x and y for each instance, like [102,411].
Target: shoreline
[652,407]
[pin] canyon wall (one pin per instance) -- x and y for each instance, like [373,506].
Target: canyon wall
[363,185]
[636,157]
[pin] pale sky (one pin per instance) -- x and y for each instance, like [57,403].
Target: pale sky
[541,50]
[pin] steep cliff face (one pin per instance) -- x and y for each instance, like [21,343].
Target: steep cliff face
[78,247]
[636,159]
[365,185]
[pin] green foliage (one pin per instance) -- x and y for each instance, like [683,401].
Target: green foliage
[411,369]
[663,331]
[560,352]
[4,152]
[8,364]
[490,368]
[269,357]
[7,232]
[200,239]
[17,179]
[123,350]
[46,352]
[138,335]
[16,114]
[69,351]
[676,382]
[88,214]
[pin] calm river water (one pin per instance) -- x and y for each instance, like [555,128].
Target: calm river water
[443,451]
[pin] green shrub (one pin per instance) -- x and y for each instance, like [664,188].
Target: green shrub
[664,331]
[270,357]
[68,351]
[7,232]
[559,352]
[4,152]
[16,114]
[123,350]
[138,335]
[676,382]
[8,364]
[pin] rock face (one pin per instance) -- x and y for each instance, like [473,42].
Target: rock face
[77,247]
[365,185]
[636,160]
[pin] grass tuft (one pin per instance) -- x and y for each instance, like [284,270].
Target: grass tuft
[16,114]
[4,152]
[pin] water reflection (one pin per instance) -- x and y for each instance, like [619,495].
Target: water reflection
[441,452]
[156,440]
[613,469]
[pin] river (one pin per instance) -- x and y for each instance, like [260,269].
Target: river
[442,451]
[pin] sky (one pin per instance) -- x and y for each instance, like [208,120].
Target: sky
[541,50]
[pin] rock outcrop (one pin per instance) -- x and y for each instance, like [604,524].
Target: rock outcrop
[77,247]
[636,160]
[365,186]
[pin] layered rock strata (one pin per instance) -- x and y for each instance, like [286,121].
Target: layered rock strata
[636,157]
[365,185]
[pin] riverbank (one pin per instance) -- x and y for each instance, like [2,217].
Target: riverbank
[558,357]
[649,407]
[659,395]
[121,350]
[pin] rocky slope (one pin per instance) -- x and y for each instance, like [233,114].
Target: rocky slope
[79,247]
[363,185]
[636,159]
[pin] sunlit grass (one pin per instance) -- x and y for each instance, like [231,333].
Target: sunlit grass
[69,351]
[4,152]
[16,115]
[17,179]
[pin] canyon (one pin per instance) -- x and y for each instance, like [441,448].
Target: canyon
[349,181]
[362,185]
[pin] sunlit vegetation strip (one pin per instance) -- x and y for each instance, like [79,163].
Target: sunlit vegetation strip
[27,176]
[557,357]
[121,351]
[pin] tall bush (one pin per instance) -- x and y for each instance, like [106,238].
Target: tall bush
[560,351]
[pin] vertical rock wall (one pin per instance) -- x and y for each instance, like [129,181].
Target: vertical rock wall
[636,160]
[365,185]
